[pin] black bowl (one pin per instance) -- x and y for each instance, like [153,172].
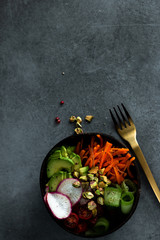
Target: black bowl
[72,141]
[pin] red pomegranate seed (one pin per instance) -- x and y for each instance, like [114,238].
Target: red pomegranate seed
[62,102]
[58,121]
[57,118]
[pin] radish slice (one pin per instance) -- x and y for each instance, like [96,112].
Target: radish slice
[47,189]
[66,187]
[59,204]
[45,198]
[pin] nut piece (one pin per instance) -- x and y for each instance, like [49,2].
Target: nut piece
[101,191]
[105,179]
[72,119]
[97,192]
[96,179]
[93,184]
[89,118]
[75,174]
[102,184]
[92,205]
[101,171]
[79,119]
[76,184]
[87,195]
[83,178]
[93,170]
[78,125]
[78,130]
[94,212]
[85,185]
[100,200]
[90,176]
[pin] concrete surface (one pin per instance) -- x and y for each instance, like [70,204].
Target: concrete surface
[110,53]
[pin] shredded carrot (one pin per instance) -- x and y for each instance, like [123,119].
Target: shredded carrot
[106,150]
[101,140]
[77,150]
[120,151]
[88,161]
[82,153]
[116,161]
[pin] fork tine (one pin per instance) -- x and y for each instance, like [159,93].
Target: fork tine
[127,114]
[122,126]
[124,119]
[114,120]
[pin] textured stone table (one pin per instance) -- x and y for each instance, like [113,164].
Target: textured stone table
[110,53]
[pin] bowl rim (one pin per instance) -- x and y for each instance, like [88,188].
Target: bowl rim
[109,137]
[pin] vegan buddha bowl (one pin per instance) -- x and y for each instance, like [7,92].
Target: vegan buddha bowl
[90,184]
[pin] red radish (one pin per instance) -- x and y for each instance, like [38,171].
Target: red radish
[47,189]
[45,200]
[66,187]
[59,204]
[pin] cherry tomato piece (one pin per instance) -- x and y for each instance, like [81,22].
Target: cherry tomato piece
[71,221]
[93,221]
[82,227]
[84,213]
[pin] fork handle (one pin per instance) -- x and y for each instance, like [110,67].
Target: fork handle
[137,150]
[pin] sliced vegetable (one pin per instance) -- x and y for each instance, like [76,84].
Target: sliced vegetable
[55,180]
[102,224]
[45,198]
[64,152]
[82,227]
[59,204]
[127,200]
[100,228]
[56,164]
[71,221]
[70,150]
[84,213]
[66,187]
[112,196]
[128,186]
[77,161]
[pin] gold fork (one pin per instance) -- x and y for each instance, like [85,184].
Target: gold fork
[127,131]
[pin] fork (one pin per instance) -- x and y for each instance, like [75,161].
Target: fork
[127,130]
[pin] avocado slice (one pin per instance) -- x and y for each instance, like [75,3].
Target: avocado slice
[55,180]
[64,152]
[54,149]
[77,161]
[65,175]
[69,175]
[55,155]
[57,164]
[70,150]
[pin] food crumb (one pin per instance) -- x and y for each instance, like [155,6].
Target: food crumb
[61,102]
[89,118]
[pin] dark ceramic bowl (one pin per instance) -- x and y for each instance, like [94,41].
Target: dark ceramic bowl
[72,141]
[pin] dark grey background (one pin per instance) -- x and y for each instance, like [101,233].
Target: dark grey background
[110,53]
